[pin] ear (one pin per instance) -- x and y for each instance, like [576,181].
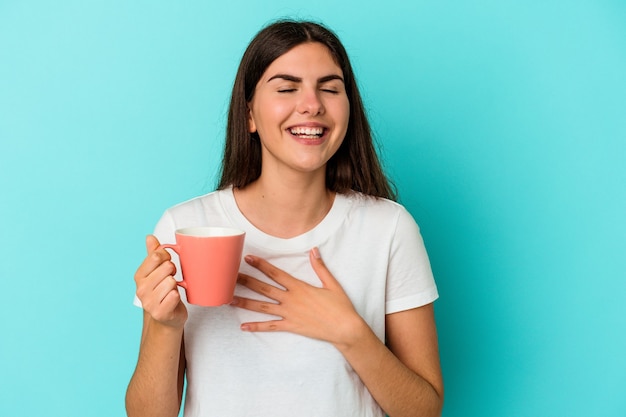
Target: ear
[251,124]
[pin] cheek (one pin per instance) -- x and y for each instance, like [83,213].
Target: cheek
[342,108]
[343,112]
[270,115]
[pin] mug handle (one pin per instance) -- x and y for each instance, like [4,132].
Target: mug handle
[175,249]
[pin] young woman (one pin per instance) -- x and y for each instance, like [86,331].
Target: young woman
[333,312]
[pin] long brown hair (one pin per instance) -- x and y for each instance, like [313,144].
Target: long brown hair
[355,165]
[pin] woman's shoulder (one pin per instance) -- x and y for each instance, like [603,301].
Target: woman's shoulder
[368,203]
[376,210]
[202,202]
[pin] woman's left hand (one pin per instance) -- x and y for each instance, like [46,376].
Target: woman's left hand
[321,313]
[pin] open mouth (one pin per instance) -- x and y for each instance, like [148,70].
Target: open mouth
[307,132]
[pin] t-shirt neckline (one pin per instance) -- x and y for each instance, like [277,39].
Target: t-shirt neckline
[297,244]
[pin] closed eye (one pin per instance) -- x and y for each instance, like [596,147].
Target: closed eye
[332,86]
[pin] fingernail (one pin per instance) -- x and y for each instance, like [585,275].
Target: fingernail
[245,327]
[249,259]
[316,253]
[234,302]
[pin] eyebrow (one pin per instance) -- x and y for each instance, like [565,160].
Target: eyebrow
[295,79]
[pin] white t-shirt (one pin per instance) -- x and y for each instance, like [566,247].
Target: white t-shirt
[371,246]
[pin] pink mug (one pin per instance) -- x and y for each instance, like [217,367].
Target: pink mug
[209,262]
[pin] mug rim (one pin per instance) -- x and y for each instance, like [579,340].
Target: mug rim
[209,231]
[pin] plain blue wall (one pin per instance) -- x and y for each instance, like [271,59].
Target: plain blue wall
[502,122]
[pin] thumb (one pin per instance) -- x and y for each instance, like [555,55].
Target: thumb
[152,243]
[328,280]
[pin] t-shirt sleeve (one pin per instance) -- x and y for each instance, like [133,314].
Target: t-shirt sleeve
[410,281]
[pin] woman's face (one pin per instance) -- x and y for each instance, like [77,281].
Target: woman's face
[300,110]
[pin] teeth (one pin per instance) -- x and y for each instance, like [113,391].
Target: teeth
[307,131]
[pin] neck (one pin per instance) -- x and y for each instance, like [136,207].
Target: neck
[285,208]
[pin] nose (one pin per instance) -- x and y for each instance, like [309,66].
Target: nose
[310,103]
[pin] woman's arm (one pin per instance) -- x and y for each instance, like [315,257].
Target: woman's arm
[156,386]
[404,377]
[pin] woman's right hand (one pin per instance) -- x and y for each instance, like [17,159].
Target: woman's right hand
[157,289]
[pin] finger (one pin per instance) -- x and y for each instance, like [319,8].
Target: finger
[147,284]
[272,272]
[152,262]
[166,311]
[151,299]
[264,326]
[267,268]
[164,288]
[328,280]
[153,246]
[171,300]
[152,243]
[256,305]
[260,287]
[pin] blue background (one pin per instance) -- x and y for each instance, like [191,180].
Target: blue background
[503,124]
